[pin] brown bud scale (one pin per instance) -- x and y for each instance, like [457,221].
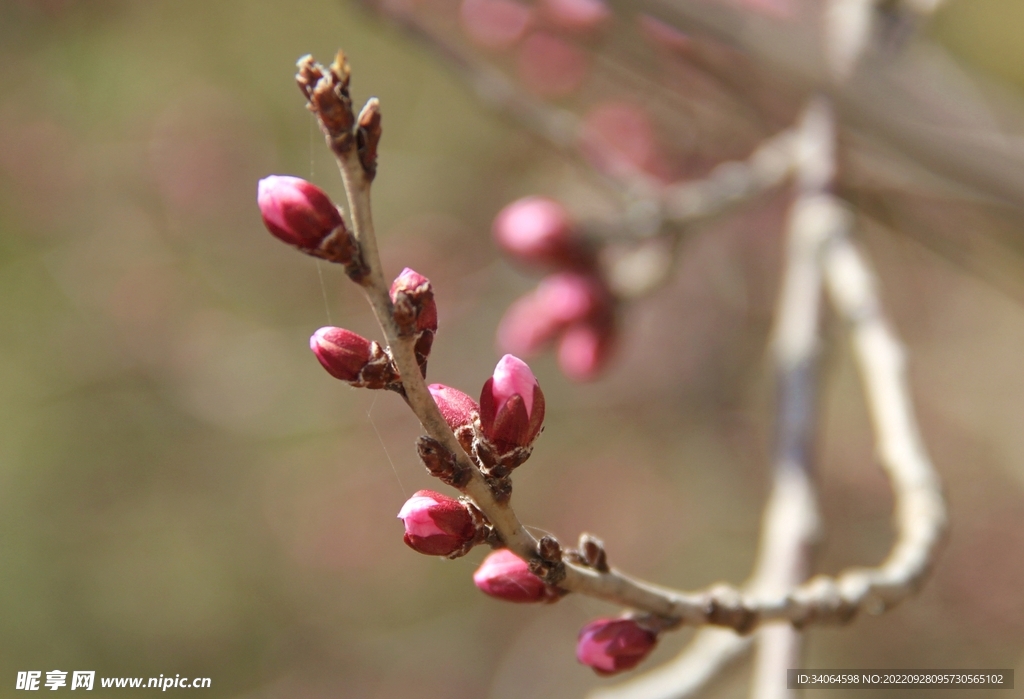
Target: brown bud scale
[549,549]
[328,96]
[379,372]
[440,462]
[592,552]
[368,136]
[483,529]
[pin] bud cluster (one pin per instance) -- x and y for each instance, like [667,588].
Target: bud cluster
[499,431]
[364,363]
[572,305]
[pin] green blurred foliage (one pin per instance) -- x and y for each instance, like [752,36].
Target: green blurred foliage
[183,490]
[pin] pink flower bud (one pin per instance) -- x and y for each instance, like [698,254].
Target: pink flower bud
[513,377]
[583,350]
[413,297]
[436,524]
[613,645]
[341,352]
[458,409]
[297,212]
[511,405]
[538,230]
[506,576]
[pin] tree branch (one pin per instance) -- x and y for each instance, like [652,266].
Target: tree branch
[823,599]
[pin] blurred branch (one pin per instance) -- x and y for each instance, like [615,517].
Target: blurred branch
[790,522]
[916,101]
[732,182]
[920,510]
[819,243]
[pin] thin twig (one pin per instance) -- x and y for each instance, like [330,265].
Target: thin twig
[731,183]
[791,521]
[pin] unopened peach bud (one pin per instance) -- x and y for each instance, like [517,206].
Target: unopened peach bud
[435,524]
[457,408]
[511,405]
[614,645]
[538,230]
[296,211]
[506,576]
[415,308]
[342,352]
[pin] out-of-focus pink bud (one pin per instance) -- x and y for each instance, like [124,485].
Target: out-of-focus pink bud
[296,211]
[458,409]
[538,230]
[583,350]
[550,66]
[341,352]
[506,576]
[413,297]
[559,301]
[569,297]
[613,645]
[436,524]
[494,24]
[576,15]
[511,405]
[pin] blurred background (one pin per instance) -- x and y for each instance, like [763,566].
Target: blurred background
[183,490]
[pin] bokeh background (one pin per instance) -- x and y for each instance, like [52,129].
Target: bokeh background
[184,491]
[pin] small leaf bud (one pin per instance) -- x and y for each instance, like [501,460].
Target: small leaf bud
[413,297]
